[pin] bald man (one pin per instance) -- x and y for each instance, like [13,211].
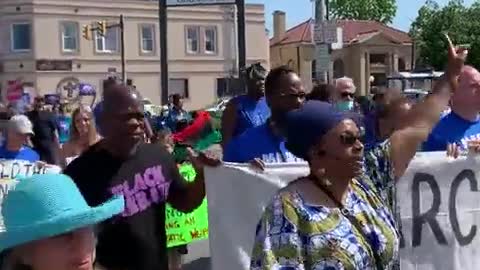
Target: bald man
[462,124]
[144,174]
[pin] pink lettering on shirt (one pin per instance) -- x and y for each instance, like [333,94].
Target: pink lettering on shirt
[146,189]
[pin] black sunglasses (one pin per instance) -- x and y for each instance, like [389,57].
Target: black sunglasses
[350,139]
[347,94]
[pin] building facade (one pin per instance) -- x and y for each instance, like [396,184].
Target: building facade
[366,51]
[41,44]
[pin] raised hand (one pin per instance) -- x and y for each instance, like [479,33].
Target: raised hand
[456,60]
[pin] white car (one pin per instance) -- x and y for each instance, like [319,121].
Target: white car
[415,94]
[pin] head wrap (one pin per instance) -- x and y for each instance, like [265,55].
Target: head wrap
[306,126]
[256,72]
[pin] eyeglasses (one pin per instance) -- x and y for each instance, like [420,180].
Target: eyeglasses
[347,94]
[294,95]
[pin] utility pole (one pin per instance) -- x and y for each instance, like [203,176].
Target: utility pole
[242,50]
[162,20]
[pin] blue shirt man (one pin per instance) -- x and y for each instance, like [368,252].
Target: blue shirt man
[462,124]
[452,129]
[284,92]
[18,131]
[258,142]
[24,153]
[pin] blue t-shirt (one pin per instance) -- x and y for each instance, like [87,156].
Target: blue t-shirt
[64,124]
[258,142]
[26,153]
[250,113]
[452,129]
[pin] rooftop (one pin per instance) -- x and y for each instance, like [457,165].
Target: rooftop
[353,31]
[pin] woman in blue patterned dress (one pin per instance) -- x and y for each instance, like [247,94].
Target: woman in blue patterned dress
[338,216]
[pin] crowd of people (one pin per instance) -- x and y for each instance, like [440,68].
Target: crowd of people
[108,206]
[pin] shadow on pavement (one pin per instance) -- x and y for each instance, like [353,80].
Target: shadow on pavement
[199,264]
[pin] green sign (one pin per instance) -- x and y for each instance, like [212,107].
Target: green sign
[185,228]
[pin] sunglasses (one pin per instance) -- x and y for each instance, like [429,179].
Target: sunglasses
[347,94]
[350,139]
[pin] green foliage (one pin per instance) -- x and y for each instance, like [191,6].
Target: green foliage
[378,10]
[460,22]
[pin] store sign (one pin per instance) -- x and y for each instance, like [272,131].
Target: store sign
[325,32]
[198,2]
[52,65]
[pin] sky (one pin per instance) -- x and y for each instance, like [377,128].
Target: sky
[298,11]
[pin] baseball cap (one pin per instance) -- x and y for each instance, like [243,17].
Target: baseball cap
[21,124]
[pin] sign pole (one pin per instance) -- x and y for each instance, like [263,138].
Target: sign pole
[321,48]
[162,20]
[242,50]
[124,61]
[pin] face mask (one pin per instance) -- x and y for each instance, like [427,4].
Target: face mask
[345,105]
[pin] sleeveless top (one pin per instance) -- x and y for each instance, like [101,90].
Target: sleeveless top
[250,113]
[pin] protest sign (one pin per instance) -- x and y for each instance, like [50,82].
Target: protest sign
[13,170]
[438,199]
[185,228]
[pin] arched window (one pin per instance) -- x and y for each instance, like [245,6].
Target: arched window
[291,64]
[338,69]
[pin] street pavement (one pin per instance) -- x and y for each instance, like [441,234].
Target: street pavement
[198,257]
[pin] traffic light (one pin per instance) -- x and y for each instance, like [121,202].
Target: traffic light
[87,32]
[102,28]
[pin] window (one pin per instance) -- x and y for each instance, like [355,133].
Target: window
[193,39]
[178,86]
[21,37]
[378,58]
[107,43]
[210,40]
[148,38]
[69,36]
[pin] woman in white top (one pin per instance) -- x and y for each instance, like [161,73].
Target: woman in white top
[83,135]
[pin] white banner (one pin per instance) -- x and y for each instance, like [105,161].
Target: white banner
[12,170]
[438,199]
[198,2]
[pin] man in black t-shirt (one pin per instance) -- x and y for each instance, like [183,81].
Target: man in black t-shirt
[145,174]
[45,142]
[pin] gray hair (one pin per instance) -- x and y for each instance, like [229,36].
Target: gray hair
[345,81]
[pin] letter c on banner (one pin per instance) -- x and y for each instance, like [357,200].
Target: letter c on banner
[452,206]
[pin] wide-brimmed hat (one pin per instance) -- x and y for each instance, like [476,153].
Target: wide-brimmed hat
[48,205]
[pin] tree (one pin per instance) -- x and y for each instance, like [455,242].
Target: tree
[377,10]
[459,21]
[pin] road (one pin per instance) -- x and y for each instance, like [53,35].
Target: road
[198,257]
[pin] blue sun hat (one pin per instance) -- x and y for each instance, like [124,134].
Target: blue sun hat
[48,205]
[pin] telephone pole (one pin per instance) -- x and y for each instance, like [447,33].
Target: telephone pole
[163,25]
[242,47]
